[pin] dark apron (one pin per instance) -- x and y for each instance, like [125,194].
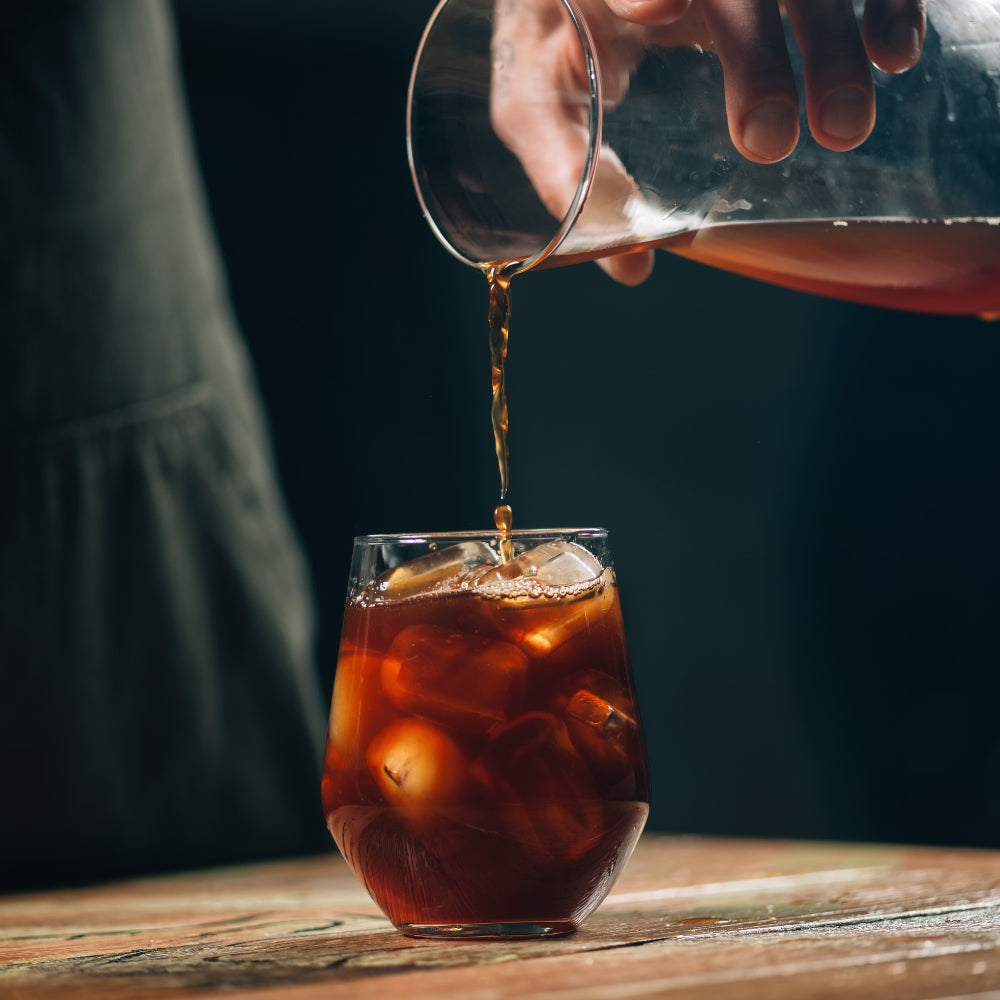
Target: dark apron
[159,705]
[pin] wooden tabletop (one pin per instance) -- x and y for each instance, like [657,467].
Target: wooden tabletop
[690,918]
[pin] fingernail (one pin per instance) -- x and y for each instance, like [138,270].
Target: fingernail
[771,130]
[902,37]
[846,114]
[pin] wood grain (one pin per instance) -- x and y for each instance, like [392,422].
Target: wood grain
[690,918]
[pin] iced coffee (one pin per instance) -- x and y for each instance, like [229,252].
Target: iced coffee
[485,771]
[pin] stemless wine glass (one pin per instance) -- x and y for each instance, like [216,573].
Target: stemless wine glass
[485,771]
[540,134]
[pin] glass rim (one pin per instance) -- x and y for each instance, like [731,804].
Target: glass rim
[595,128]
[417,537]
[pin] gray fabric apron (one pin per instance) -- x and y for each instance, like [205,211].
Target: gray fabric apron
[159,705]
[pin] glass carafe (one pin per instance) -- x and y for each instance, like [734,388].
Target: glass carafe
[910,219]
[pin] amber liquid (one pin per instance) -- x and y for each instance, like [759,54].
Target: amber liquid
[503,518]
[484,763]
[950,267]
[499,325]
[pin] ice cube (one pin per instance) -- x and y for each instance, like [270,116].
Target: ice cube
[357,710]
[599,715]
[541,786]
[540,621]
[465,682]
[552,564]
[435,569]
[606,736]
[416,765]
[561,579]
[602,721]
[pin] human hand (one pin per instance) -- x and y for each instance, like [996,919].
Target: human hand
[762,103]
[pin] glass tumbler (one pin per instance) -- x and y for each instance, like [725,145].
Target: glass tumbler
[485,771]
[544,132]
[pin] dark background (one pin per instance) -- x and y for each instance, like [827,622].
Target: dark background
[803,494]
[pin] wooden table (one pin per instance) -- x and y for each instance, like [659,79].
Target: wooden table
[690,918]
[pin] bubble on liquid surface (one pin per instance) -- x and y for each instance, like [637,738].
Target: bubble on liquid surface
[540,619]
[553,569]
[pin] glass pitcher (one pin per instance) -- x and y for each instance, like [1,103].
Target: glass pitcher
[910,219]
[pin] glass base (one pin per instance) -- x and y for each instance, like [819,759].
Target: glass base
[501,929]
